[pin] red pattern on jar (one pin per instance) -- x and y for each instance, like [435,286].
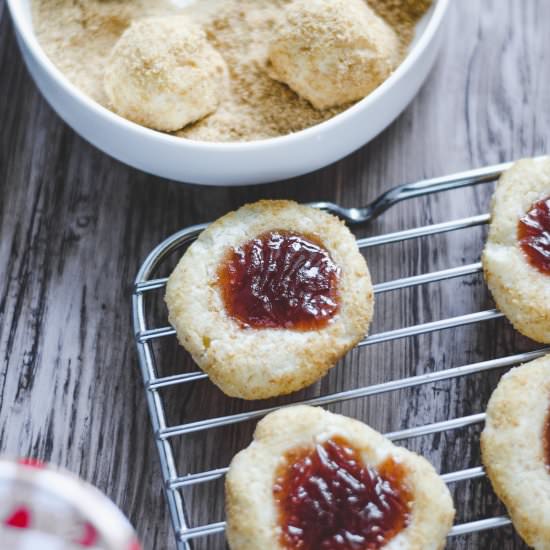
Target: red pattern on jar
[19,518]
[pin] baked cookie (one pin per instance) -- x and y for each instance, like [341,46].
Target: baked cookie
[516,259]
[332,52]
[163,73]
[312,479]
[269,297]
[515,448]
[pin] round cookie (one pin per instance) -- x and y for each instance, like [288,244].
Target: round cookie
[164,74]
[514,449]
[336,461]
[332,52]
[521,291]
[259,358]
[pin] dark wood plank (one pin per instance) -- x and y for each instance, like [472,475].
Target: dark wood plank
[75,226]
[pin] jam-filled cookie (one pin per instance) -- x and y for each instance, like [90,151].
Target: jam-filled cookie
[312,480]
[515,448]
[269,297]
[516,259]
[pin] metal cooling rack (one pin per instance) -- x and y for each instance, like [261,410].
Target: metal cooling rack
[146,334]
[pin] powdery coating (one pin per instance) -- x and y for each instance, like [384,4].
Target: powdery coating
[79,36]
[250,506]
[251,363]
[333,52]
[163,73]
[513,450]
[520,291]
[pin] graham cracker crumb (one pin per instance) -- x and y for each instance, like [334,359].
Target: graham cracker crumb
[78,35]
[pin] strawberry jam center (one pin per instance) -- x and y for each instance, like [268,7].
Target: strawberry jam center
[534,235]
[327,499]
[280,280]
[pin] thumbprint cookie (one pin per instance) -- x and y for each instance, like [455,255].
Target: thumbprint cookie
[516,259]
[515,447]
[311,479]
[269,297]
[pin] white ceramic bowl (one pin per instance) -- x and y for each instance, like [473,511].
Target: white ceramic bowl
[232,163]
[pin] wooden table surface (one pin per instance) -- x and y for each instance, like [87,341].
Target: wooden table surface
[75,226]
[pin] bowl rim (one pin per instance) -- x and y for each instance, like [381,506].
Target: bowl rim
[86,102]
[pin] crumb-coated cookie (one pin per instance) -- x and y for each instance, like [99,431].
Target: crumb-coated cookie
[312,479]
[267,354]
[332,52]
[520,289]
[163,73]
[514,448]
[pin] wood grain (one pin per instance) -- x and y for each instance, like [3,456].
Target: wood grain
[75,226]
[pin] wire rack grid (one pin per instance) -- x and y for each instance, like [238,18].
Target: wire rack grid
[146,334]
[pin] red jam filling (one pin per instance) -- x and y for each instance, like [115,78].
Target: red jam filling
[328,500]
[280,280]
[534,235]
